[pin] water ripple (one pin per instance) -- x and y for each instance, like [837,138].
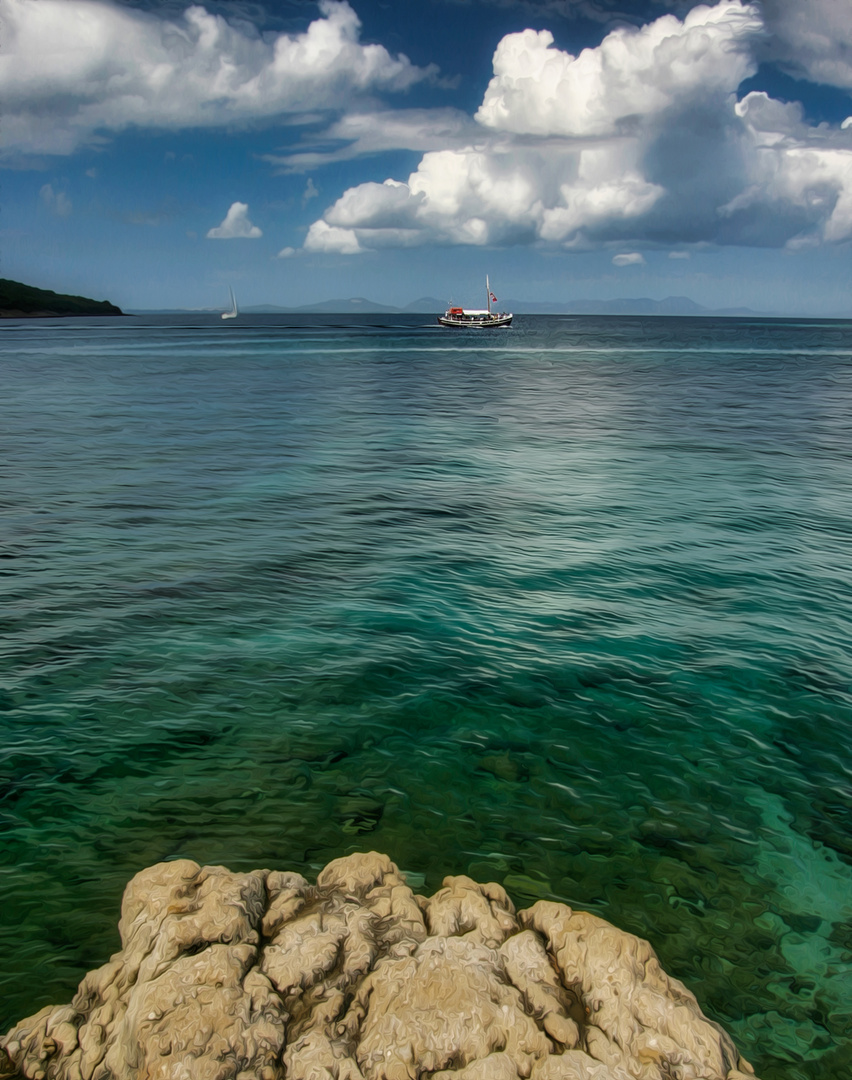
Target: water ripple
[567,607]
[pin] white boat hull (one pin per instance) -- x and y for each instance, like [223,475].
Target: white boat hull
[476,322]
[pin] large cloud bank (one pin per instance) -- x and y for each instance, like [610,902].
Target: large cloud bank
[69,71]
[640,139]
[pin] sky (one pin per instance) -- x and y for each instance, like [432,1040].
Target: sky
[158,153]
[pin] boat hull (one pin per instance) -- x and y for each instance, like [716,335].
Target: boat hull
[486,322]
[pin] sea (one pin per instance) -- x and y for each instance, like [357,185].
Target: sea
[566,606]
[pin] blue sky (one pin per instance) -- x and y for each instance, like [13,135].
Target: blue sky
[158,153]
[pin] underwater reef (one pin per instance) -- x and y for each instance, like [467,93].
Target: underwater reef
[261,976]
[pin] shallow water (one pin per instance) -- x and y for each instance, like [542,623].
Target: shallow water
[566,606]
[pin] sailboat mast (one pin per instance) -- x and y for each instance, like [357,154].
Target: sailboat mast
[488,292]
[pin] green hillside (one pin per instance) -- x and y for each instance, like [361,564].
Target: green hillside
[18,301]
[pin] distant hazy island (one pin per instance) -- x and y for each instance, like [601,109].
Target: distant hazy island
[18,301]
[430,305]
[671,305]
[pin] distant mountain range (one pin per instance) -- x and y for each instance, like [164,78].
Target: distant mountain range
[431,305]
[672,305]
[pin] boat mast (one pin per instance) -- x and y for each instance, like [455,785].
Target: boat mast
[488,293]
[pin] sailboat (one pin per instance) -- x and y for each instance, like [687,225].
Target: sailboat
[234,312]
[477,317]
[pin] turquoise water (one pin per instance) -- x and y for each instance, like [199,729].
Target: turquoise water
[566,606]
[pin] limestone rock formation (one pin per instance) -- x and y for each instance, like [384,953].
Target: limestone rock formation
[263,976]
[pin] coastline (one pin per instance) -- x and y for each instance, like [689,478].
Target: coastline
[12,314]
[20,301]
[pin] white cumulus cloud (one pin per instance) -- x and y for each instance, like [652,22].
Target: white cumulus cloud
[70,72]
[640,140]
[800,177]
[632,74]
[324,237]
[629,258]
[236,225]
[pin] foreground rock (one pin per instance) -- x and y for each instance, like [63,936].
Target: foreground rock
[261,976]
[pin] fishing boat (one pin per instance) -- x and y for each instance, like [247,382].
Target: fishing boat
[233,313]
[477,317]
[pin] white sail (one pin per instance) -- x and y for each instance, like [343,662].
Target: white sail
[232,314]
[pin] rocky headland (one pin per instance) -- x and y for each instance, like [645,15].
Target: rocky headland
[260,976]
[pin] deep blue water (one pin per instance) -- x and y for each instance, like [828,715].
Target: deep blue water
[566,606]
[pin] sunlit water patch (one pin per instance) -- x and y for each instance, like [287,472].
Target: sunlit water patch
[566,607]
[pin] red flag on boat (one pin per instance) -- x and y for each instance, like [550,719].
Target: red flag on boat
[493,299]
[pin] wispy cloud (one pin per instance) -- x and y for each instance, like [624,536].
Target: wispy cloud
[629,258]
[602,11]
[56,201]
[812,38]
[363,133]
[309,193]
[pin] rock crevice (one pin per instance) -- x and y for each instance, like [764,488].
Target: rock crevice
[263,976]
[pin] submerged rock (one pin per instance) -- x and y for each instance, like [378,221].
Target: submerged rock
[263,976]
